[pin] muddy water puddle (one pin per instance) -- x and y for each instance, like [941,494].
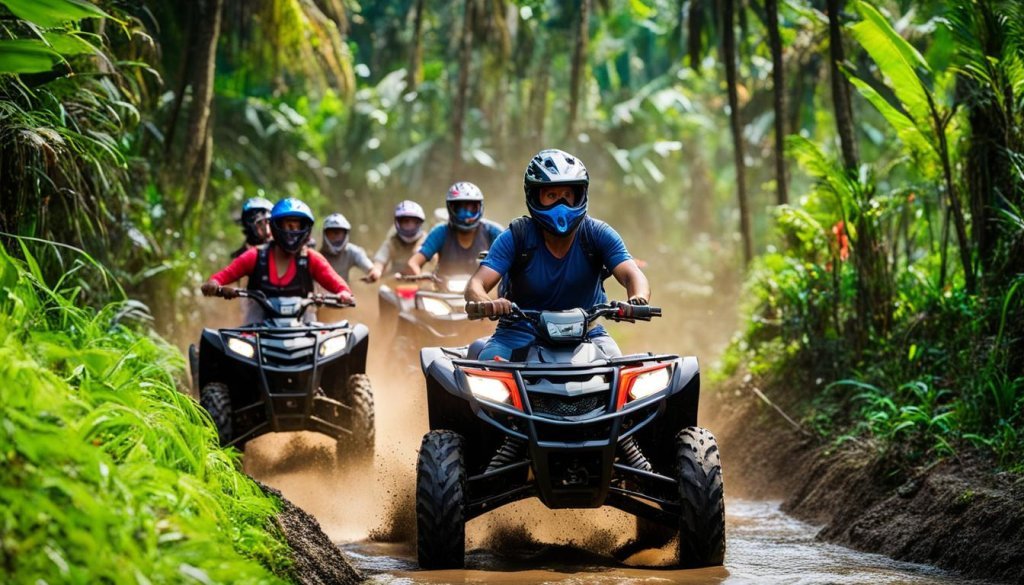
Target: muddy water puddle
[764,546]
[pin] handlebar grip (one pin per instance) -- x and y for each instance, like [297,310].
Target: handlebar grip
[641,312]
[645,312]
[474,311]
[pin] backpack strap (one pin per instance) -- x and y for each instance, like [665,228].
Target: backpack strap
[261,272]
[519,227]
[303,276]
[587,230]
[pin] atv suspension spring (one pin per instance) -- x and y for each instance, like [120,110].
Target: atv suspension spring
[632,454]
[510,451]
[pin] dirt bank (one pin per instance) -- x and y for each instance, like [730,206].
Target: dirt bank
[317,560]
[956,514]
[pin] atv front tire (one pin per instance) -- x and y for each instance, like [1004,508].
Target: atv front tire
[216,399]
[702,521]
[441,502]
[358,446]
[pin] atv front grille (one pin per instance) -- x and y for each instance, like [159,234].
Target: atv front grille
[568,396]
[569,406]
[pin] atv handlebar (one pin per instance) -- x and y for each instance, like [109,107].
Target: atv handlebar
[613,311]
[423,276]
[318,299]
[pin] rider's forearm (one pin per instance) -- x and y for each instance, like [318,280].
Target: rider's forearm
[637,285]
[416,263]
[475,292]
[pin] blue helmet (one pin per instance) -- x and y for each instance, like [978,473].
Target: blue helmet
[556,167]
[291,240]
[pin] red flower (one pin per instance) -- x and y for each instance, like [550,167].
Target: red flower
[842,242]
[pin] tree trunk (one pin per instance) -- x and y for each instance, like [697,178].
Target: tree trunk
[579,63]
[840,87]
[954,203]
[729,55]
[197,154]
[538,107]
[416,53]
[779,90]
[695,24]
[465,60]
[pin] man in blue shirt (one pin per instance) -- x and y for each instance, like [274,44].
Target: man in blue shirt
[556,259]
[459,242]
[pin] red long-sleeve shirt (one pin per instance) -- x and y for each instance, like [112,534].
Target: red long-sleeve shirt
[319,268]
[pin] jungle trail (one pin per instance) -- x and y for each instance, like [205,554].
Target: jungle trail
[827,198]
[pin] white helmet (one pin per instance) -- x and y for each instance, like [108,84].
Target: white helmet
[464,192]
[409,209]
[336,221]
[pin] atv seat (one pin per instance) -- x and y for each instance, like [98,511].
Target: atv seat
[473,353]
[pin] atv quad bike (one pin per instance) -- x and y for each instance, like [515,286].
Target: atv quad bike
[286,375]
[432,316]
[574,427]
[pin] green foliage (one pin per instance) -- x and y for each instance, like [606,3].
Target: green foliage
[53,13]
[945,374]
[111,474]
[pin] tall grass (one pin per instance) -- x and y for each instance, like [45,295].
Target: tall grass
[108,473]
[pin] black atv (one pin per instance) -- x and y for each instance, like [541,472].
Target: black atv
[574,427]
[286,374]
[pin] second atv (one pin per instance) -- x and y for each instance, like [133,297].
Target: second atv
[288,374]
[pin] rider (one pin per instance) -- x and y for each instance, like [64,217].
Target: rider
[556,259]
[341,253]
[458,243]
[255,222]
[284,267]
[402,240]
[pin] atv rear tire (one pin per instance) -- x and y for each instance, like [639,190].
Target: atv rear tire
[216,399]
[358,446]
[702,522]
[441,502]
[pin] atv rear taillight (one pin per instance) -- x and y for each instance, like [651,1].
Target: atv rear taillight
[488,385]
[651,376]
[407,291]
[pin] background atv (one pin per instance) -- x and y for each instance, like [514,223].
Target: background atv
[435,315]
[573,427]
[286,375]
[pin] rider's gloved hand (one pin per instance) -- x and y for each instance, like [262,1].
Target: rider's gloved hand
[373,275]
[637,300]
[210,288]
[228,292]
[347,297]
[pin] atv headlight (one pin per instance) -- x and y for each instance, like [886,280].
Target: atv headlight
[435,306]
[457,285]
[648,383]
[333,345]
[494,386]
[641,382]
[241,347]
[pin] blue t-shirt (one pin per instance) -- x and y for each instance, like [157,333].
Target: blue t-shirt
[552,284]
[435,239]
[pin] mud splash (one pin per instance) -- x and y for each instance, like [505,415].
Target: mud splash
[764,546]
